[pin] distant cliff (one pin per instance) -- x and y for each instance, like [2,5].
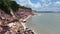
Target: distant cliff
[46,11]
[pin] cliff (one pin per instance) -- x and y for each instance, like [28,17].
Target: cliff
[10,18]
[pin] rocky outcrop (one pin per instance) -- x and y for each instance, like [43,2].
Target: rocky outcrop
[9,25]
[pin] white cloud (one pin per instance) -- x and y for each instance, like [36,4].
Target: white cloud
[46,5]
[29,3]
[57,2]
[22,0]
[38,6]
[45,1]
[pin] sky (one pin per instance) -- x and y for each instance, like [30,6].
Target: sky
[41,5]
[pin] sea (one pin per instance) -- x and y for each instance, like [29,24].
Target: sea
[45,23]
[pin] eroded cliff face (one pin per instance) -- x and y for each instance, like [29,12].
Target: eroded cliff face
[21,13]
[11,25]
[24,12]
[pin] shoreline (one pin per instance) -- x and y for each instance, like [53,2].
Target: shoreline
[24,24]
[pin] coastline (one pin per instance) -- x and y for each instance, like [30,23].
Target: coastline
[24,24]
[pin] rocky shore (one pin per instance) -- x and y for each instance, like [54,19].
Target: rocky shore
[16,24]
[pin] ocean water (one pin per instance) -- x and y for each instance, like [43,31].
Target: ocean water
[45,23]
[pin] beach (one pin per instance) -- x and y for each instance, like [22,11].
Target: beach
[25,24]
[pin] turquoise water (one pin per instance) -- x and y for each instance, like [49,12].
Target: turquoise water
[45,23]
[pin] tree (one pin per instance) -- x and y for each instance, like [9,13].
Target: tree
[14,5]
[3,6]
[10,6]
[6,5]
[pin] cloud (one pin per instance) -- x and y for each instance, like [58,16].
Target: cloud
[22,2]
[46,5]
[45,1]
[29,4]
[57,3]
[41,5]
[36,5]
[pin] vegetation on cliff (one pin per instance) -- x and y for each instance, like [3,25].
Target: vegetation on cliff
[12,15]
[8,5]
